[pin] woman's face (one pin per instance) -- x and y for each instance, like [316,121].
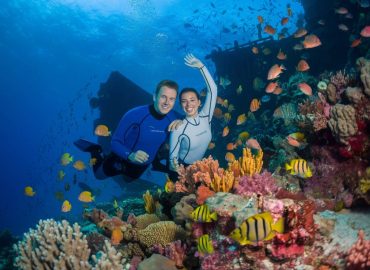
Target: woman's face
[190,103]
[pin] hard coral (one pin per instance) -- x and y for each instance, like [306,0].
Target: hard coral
[342,122]
[359,254]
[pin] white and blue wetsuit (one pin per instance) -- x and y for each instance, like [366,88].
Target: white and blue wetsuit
[190,141]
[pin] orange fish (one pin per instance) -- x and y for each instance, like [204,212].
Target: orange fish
[211,145]
[255,50]
[230,146]
[86,196]
[269,30]
[271,87]
[311,41]
[293,142]
[305,88]
[79,165]
[260,19]
[284,20]
[281,55]
[229,157]
[253,143]
[356,42]
[278,90]
[226,131]
[217,113]
[303,65]
[255,105]
[116,236]
[66,206]
[102,130]
[241,119]
[275,71]
[300,32]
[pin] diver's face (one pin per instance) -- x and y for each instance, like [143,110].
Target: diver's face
[190,103]
[165,100]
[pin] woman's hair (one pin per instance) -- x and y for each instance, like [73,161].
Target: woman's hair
[188,89]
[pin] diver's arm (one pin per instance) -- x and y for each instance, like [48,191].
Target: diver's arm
[174,150]
[118,139]
[210,101]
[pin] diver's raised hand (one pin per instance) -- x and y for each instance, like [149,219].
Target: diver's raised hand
[138,157]
[192,61]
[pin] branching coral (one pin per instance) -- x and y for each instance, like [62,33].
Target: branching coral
[262,184]
[149,203]
[57,245]
[223,183]
[359,254]
[248,164]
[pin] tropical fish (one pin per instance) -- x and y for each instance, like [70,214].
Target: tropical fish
[61,174]
[278,90]
[217,113]
[266,51]
[284,20]
[298,167]
[343,27]
[241,119]
[321,22]
[300,33]
[92,161]
[305,88]
[225,131]
[260,19]
[230,108]
[365,32]
[281,55]
[269,29]
[67,186]
[298,47]
[115,204]
[255,105]
[293,141]
[224,82]
[289,10]
[102,130]
[258,83]
[169,186]
[311,41]
[303,65]
[205,245]
[356,42]
[260,227]
[243,136]
[275,71]
[229,157]
[211,145]
[203,214]
[79,165]
[227,117]
[265,98]
[66,206]
[341,10]
[255,50]
[239,90]
[117,236]
[66,159]
[253,143]
[271,87]
[230,146]
[28,191]
[86,196]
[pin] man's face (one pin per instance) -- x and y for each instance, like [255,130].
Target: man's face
[165,100]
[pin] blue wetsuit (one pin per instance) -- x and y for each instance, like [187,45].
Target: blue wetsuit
[141,128]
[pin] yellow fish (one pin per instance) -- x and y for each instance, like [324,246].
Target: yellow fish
[115,204]
[298,136]
[61,174]
[243,136]
[169,186]
[102,130]
[28,191]
[226,131]
[86,196]
[205,245]
[79,165]
[259,227]
[227,117]
[229,157]
[202,214]
[66,206]
[92,162]
[66,159]
[241,119]
[299,167]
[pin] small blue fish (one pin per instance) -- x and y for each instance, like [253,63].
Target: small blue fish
[265,98]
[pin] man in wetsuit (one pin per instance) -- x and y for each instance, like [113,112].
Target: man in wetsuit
[139,135]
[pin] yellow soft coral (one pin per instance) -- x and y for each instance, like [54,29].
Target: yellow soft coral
[149,202]
[223,183]
[364,185]
[248,164]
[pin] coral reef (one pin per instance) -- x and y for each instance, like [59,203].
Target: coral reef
[261,184]
[363,65]
[343,122]
[359,254]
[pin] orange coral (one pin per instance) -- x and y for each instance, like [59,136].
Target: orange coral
[248,164]
[149,202]
[203,193]
[223,183]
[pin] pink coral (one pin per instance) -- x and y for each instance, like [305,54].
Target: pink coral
[176,252]
[359,254]
[275,207]
[262,184]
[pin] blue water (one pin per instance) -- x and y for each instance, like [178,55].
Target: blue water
[55,53]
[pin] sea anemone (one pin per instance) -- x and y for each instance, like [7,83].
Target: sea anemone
[322,85]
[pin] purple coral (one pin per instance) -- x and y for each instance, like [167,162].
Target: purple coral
[262,184]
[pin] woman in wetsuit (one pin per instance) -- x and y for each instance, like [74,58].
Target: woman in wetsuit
[190,141]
